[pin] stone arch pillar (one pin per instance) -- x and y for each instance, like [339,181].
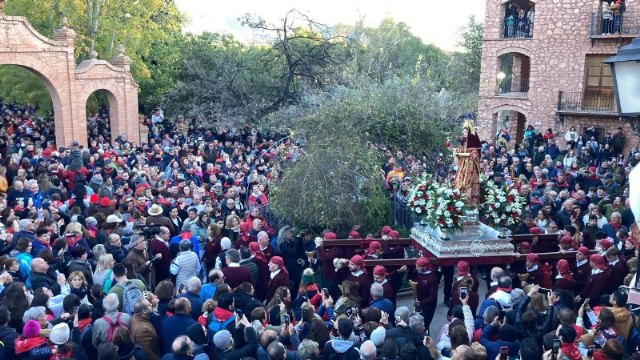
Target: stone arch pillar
[69,84]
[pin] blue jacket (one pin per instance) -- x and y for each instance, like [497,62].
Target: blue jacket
[194,242]
[172,327]
[383,304]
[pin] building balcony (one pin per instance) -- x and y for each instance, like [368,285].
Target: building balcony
[591,103]
[512,86]
[517,27]
[626,25]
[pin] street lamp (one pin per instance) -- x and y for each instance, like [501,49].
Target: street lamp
[625,67]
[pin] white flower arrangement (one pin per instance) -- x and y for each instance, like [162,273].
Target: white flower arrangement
[500,206]
[438,205]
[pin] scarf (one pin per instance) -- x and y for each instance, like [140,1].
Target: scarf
[570,351]
[81,293]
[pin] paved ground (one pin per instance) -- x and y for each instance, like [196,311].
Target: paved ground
[440,317]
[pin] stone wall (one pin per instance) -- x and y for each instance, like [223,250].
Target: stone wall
[557,55]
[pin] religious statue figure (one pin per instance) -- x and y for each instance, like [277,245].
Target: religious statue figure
[467,156]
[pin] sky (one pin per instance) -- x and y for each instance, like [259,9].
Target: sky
[429,20]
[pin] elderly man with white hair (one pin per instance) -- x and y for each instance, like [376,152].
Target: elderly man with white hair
[111,316]
[193,286]
[368,350]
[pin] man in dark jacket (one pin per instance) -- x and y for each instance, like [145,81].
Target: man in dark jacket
[225,343]
[114,247]
[176,325]
[244,300]
[41,278]
[194,285]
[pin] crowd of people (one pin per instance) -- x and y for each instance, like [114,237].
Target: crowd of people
[164,250]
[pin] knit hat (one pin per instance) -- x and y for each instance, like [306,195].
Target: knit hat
[105,202]
[60,334]
[31,329]
[94,199]
[357,260]
[329,236]
[222,339]
[196,334]
[533,257]
[307,276]
[378,335]
[91,221]
[379,270]
[598,260]
[583,250]
[385,230]
[463,268]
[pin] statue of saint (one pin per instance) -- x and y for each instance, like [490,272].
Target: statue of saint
[467,156]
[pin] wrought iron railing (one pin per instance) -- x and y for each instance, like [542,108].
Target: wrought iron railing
[518,27]
[591,102]
[513,86]
[625,23]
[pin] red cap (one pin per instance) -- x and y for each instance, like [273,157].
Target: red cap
[566,240]
[563,268]
[535,230]
[329,235]
[605,244]
[354,234]
[357,260]
[532,257]
[463,268]
[374,245]
[277,260]
[598,260]
[105,202]
[583,250]
[379,270]
[394,234]
[254,246]
[592,168]
[525,245]
[422,261]
[94,199]
[385,230]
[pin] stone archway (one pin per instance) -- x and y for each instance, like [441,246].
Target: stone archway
[69,84]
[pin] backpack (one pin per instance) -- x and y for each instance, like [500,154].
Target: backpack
[113,325]
[130,296]
[216,325]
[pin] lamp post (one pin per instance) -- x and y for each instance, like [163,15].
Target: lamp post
[625,67]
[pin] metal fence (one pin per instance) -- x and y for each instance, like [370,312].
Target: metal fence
[518,27]
[599,102]
[513,86]
[626,23]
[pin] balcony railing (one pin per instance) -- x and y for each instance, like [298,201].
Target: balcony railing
[627,23]
[513,86]
[589,103]
[518,27]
